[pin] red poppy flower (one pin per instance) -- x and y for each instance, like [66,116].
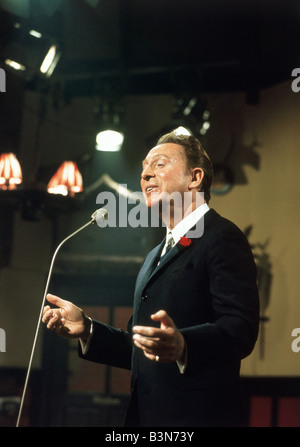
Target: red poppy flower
[185,242]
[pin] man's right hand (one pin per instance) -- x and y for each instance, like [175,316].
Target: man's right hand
[67,320]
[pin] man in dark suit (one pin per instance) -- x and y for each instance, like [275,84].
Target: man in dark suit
[196,307]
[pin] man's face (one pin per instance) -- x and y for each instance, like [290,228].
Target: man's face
[164,171]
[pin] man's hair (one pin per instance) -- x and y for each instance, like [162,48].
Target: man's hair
[196,157]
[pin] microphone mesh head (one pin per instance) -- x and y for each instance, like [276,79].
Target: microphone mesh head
[100,215]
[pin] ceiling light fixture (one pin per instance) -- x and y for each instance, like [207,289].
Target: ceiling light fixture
[110,136]
[50,61]
[10,171]
[30,53]
[181,130]
[192,113]
[190,116]
[15,65]
[109,140]
[67,180]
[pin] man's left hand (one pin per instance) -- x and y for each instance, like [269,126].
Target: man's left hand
[165,343]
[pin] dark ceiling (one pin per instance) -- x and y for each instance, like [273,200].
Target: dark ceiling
[165,46]
[116,48]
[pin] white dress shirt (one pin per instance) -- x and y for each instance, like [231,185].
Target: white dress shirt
[185,225]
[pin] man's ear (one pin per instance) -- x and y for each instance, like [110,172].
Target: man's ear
[197,178]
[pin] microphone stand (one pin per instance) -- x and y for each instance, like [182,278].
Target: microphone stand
[93,219]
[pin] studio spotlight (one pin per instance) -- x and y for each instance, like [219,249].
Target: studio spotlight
[29,53]
[50,61]
[205,125]
[110,136]
[109,140]
[192,114]
[182,131]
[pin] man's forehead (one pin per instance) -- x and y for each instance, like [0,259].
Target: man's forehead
[165,149]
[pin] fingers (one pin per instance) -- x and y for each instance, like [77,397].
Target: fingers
[150,350]
[147,343]
[163,333]
[51,317]
[156,342]
[164,318]
[150,331]
[65,318]
[166,342]
[55,300]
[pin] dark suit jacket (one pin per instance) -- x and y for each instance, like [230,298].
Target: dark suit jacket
[209,290]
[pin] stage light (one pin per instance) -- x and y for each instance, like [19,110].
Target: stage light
[204,128]
[15,65]
[192,114]
[110,135]
[30,53]
[189,116]
[35,33]
[109,140]
[205,125]
[50,61]
[182,131]
[188,107]
[66,181]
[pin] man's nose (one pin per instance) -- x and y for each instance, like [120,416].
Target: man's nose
[147,173]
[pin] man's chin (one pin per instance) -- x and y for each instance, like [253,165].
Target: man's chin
[152,199]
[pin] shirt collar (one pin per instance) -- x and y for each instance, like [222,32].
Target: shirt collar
[188,222]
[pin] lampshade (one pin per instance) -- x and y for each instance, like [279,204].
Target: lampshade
[67,180]
[10,171]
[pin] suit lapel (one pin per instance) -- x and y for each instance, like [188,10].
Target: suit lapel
[167,258]
[150,267]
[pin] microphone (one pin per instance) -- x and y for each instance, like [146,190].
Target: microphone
[98,216]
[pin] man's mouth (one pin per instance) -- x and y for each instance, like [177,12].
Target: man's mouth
[150,188]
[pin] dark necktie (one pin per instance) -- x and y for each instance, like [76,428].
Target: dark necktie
[170,242]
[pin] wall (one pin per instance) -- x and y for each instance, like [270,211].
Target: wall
[269,201]
[22,285]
